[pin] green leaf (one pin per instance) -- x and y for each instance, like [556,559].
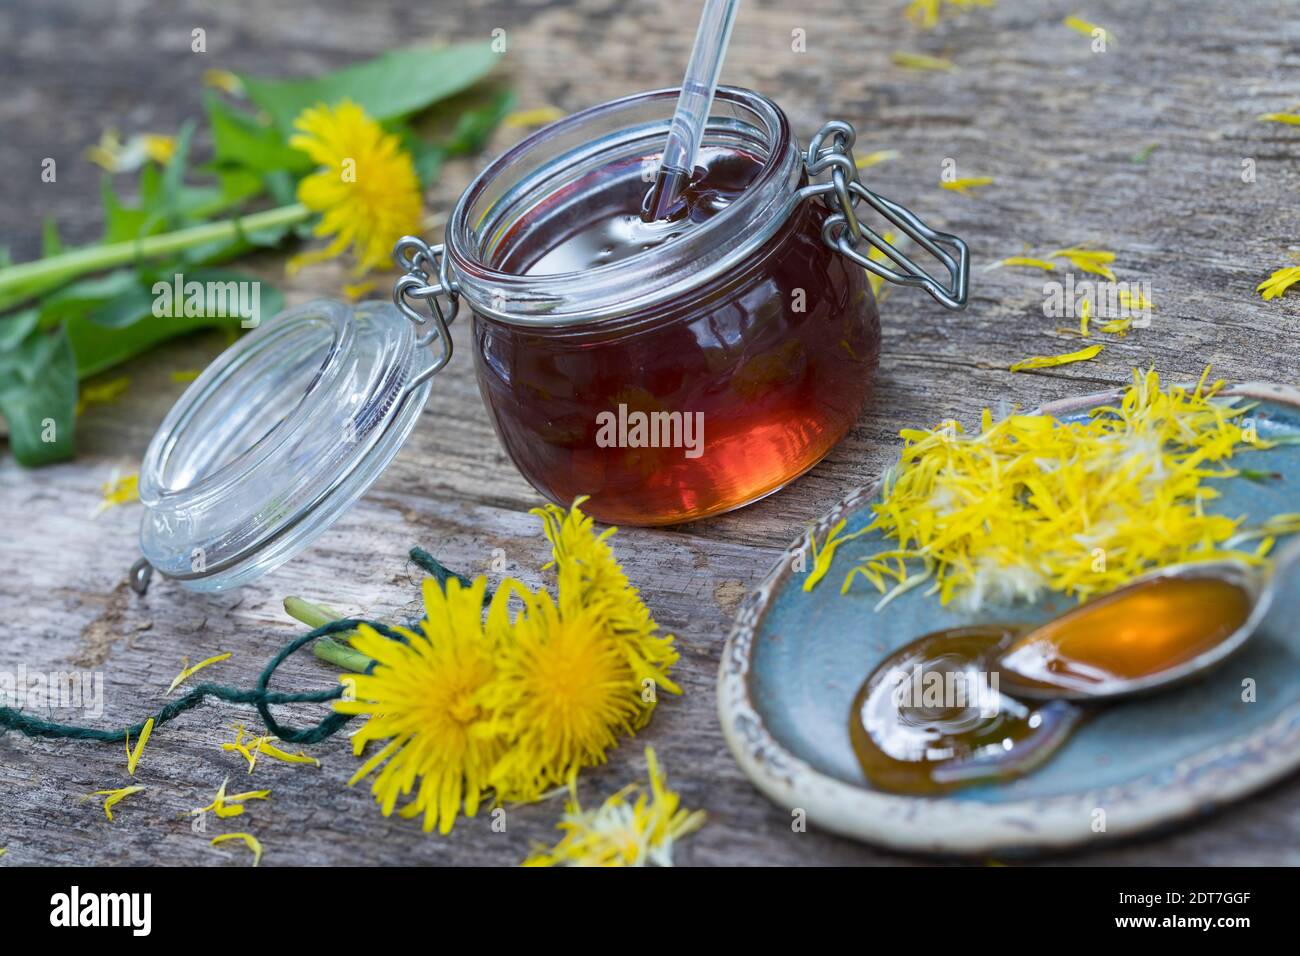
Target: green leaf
[125,325]
[475,127]
[240,141]
[395,84]
[51,244]
[14,328]
[38,397]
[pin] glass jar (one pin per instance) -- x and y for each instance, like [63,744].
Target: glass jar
[677,382]
[696,376]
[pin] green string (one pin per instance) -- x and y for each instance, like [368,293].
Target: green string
[261,697]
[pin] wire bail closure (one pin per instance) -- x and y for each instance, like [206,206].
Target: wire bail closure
[420,263]
[843,231]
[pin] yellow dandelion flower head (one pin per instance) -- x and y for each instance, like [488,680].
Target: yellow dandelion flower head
[423,702]
[564,694]
[366,190]
[589,576]
[623,832]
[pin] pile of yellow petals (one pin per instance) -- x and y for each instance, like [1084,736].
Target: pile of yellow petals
[1030,503]
[508,703]
[634,827]
[366,190]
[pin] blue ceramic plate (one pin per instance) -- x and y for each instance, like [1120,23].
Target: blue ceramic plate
[795,659]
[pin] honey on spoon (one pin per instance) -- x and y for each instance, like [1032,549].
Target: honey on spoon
[1163,628]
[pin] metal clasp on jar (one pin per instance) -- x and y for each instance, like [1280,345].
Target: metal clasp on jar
[425,278]
[832,149]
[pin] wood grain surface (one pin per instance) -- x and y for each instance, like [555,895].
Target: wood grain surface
[1030,104]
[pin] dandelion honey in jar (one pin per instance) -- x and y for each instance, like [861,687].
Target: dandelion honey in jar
[669,368]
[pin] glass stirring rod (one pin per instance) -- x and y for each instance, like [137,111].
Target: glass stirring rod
[687,129]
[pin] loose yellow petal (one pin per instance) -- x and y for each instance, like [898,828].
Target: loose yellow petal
[223,80]
[1281,280]
[875,158]
[537,117]
[229,806]
[119,491]
[102,393]
[356,290]
[184,375]
[1095,261]
[1048,361]
[963,185]
[133,756]
[1080,25]
[875,254]
[1028,262]
[823,556]
[189,672]
[249,841]
[1085,313]
[114,798]
[1292,119]
[921,61]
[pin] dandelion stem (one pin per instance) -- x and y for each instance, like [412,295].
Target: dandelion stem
[327,649]
[28,279]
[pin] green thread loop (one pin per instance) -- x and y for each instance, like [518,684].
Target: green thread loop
[261,697]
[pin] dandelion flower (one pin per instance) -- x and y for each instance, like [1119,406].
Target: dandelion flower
[622,832]
[115,156]
[565,694]
[590,576]
[367,190]
[423,701]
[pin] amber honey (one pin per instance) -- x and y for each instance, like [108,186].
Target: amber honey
[932,718]
[718,397]
[1139,631]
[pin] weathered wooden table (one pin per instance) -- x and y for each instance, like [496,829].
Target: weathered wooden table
[1030,104]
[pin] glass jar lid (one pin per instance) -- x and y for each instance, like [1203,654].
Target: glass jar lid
[280,434]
